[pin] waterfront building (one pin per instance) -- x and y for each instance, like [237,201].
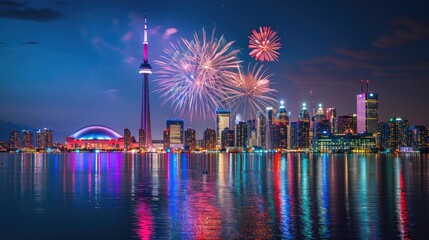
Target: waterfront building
[331,116]
[418,138]
[27,138]
[210,139]
[279,136]
[269,111]
[166,138]
[227,138]
[190,138]
[261,130]
[294,130]
[145,70]
[127,139]
[241,134]
[40,139]
[14,140]
[367,111]
[395,134]
[345,143]
[95,137]
[347,124]
[48,138]
[303,128]
[176,129]
[223,119]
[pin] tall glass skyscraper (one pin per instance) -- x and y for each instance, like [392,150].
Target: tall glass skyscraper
[222,121]
[367,112]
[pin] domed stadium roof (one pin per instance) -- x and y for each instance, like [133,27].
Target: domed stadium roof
[96,132]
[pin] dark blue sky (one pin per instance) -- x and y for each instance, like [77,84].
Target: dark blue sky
[68,64]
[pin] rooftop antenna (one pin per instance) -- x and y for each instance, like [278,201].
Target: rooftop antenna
[367,86]
[361,86]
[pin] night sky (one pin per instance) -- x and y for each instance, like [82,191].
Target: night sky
[68,64]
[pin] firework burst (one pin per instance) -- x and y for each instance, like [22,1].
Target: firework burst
[250,92]
[193,74]
[264,44]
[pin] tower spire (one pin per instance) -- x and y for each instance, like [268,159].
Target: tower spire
[145,42]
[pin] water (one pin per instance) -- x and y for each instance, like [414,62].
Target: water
[123,196]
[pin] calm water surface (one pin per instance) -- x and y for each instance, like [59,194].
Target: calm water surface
[157,196]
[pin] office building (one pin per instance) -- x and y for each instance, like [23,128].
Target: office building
[14,140]
[48,138]
[190,139]
[175,127]
[347,124]
[241,135]
[127,139]
[27,138]
[367,111]
[223,118]
[210,139]
[40,139]
[166,138]
[227,138]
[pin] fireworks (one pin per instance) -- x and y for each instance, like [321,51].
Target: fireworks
[250,92]
[194,73]
[264,44]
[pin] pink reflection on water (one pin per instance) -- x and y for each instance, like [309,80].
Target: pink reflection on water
[402,208]
[144,221]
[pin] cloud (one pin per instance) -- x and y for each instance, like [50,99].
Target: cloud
[130,60]
[111,93]
[169,32]
[403,30]
[127,37]
[30,43]
[360,54]
[21,11]
[154,30]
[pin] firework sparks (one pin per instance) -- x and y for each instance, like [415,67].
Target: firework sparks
[250,92]
[264,44]
[193,74]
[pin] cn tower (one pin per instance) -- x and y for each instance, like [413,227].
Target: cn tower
[145,70]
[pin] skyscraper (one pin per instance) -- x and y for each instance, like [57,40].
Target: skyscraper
[269,122]
[261,130]
[48,138]
[166,138]
[127,139]
[190,139]
[40,140]
[241,134]
[227,138]
[142,138]
[210,139]
[145,70]
[27,138]
[14,140]
[397,133]
[304,128]
[367,111]
[222,122]
[331,115]
[347,124]
[175,127]
[419,138]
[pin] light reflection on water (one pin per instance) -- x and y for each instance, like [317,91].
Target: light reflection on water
[117,195]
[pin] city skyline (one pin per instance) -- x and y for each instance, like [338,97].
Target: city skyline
[45,86]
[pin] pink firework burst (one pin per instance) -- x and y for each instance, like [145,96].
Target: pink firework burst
[193,74]
[250,92]
[264,44]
